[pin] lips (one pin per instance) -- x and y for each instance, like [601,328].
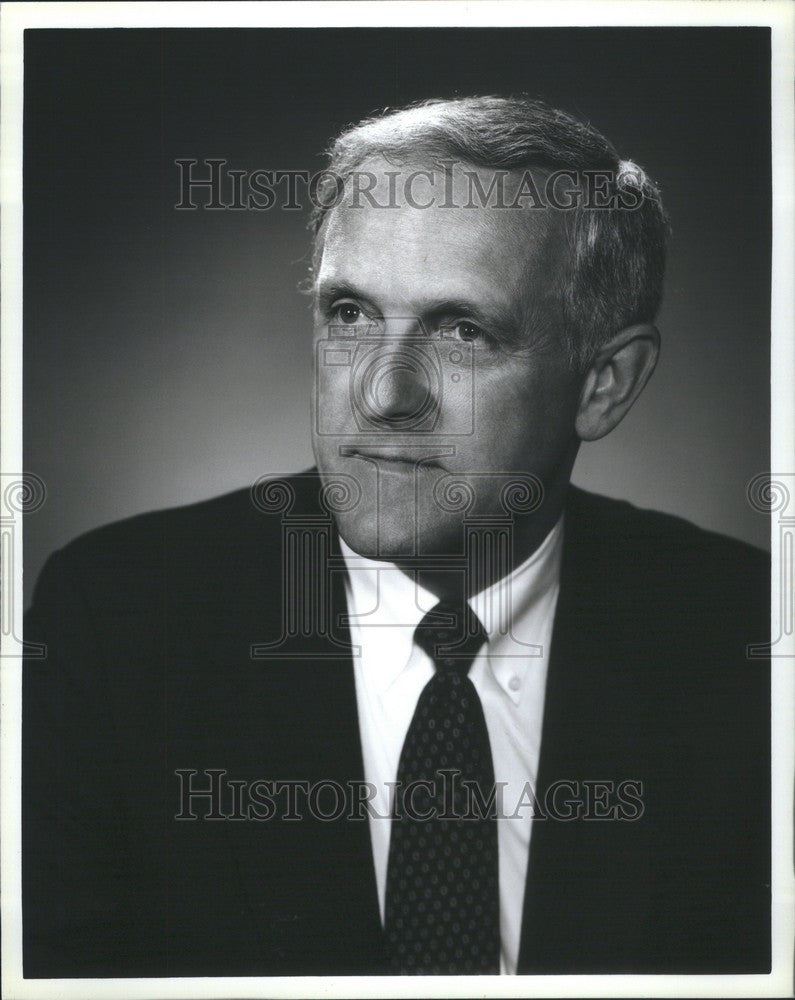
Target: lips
[395,457]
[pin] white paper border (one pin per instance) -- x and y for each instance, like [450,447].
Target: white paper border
[780,16]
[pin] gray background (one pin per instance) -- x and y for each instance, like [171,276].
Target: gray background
[167,354]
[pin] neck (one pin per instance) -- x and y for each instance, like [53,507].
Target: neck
[527,534]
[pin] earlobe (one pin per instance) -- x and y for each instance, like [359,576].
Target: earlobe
[615,379]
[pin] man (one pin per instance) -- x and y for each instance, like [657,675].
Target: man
[535,703]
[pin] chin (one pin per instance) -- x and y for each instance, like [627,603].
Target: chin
[388,540]
[396,537]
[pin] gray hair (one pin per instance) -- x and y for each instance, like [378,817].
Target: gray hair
[614,268]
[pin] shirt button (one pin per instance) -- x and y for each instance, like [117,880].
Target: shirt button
[514,683]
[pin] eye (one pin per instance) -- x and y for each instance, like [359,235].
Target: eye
[469,331]
[346,312]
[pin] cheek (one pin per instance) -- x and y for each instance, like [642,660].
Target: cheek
[523,413]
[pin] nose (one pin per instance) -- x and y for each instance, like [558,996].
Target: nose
[396,390]
[396,382]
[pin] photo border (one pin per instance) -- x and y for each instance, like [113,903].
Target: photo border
[780,17]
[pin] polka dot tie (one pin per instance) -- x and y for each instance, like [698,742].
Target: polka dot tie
[442,889]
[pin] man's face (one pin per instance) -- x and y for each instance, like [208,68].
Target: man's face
[440,372]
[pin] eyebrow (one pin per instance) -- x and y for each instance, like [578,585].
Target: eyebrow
[494,317]
[326,293]
[503,322]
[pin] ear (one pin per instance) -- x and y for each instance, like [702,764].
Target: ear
[615,379]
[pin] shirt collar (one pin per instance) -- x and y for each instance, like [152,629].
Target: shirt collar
[387,605]
[516,611]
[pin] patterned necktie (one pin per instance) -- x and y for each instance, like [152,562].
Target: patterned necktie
[442,889]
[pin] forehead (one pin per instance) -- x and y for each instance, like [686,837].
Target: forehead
[421,233]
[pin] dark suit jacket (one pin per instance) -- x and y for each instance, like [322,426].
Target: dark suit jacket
[149,626]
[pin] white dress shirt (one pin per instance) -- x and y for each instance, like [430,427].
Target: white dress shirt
[509,675]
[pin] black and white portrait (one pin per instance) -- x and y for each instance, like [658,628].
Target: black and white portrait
[398,505]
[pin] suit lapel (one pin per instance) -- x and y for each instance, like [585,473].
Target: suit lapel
[585,895]
[303,691]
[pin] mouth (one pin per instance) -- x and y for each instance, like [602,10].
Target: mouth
[390,458]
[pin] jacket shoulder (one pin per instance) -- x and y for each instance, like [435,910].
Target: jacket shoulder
[649,531]
[655,560]
[201,540]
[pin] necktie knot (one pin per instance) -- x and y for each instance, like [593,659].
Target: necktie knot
[451,635]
